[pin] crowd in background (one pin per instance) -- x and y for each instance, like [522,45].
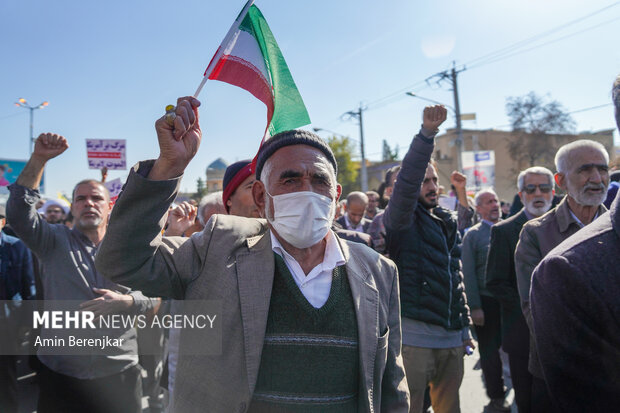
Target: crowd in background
[539,283]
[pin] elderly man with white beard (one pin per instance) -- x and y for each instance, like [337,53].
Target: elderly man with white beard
[583,173]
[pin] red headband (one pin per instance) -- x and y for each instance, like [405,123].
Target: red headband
[235,182]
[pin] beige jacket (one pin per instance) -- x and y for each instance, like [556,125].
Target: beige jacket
[538,237]
[231,261]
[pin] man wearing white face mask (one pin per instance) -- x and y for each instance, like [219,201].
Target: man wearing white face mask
[309,322]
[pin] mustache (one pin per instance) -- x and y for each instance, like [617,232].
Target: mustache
[600,186]
[430,193]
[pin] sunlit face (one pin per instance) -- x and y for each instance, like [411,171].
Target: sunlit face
[355,212]
[296,168]
[90,207]
[587,179]
[488,207]
[428,195]
[537,194]
[241,202]
[373,203]
[54,214]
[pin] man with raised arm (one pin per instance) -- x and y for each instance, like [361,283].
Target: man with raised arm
[94,383]
[309,322]
[424,241]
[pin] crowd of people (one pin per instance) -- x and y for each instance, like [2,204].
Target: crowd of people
[330,302]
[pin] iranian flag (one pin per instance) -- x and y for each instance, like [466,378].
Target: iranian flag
[250,58]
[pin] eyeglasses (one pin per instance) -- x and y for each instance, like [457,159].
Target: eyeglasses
[544,188]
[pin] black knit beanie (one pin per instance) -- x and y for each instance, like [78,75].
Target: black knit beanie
[293,137]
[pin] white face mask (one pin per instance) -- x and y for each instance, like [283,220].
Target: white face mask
[301,218]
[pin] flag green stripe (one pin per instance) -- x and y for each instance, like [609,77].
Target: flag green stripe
[289,109]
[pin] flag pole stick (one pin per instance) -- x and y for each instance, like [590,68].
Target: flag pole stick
[222,48]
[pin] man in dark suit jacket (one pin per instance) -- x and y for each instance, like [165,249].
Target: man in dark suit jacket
[355,208]
[576,315]
[501,279]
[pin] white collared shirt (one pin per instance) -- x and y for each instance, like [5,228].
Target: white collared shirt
[358,228]
[581,224]
[316,285]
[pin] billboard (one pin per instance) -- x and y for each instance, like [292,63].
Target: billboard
[10,170]
[479,167]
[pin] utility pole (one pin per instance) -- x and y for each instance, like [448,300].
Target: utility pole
[358,114]
[451,76]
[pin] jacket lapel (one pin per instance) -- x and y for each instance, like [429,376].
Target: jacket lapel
[255,271]
[366,302]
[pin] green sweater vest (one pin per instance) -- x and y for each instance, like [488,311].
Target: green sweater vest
[310,358]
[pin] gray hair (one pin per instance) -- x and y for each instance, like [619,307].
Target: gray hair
[534,170]
[561,158]
[479,194]
[212,200]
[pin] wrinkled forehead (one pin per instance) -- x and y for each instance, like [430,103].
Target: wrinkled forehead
[54,208]
[302,159]
[585,156]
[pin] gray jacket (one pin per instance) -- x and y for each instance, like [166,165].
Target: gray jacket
[232,261]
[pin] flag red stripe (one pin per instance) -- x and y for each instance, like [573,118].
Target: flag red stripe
[243,74]
[105,155]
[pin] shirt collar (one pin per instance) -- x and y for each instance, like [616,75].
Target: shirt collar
[489,223]
[332,258]
[358,227]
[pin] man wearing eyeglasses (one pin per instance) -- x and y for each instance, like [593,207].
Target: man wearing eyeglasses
[583,173]
[536,192]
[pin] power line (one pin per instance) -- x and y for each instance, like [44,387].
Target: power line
[506,56]
[509,48]
[13,115]
[568,113]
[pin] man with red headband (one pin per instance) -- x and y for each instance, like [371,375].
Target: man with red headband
[237,197]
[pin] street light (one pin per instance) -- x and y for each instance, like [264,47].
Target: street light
[21,102]
[415,95]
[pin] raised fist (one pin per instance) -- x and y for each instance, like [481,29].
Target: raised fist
[49,145]
[458,180]
[433,117]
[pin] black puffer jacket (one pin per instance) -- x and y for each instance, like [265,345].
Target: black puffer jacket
[426,247]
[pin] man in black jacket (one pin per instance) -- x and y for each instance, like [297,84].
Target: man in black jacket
[423,240]
[536,192]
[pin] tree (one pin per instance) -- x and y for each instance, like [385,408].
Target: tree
[533,119]
[343,149]
[201,189]
[388,153]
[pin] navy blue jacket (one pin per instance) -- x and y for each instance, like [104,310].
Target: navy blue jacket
[426,246]
[575,303]
[16,272]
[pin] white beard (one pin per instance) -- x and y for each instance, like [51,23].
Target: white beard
[529,206]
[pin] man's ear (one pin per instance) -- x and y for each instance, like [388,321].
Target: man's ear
[338,192]
[258,194]
[521,198]
[560,180]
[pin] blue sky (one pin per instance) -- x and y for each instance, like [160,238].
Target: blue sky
[109,68]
